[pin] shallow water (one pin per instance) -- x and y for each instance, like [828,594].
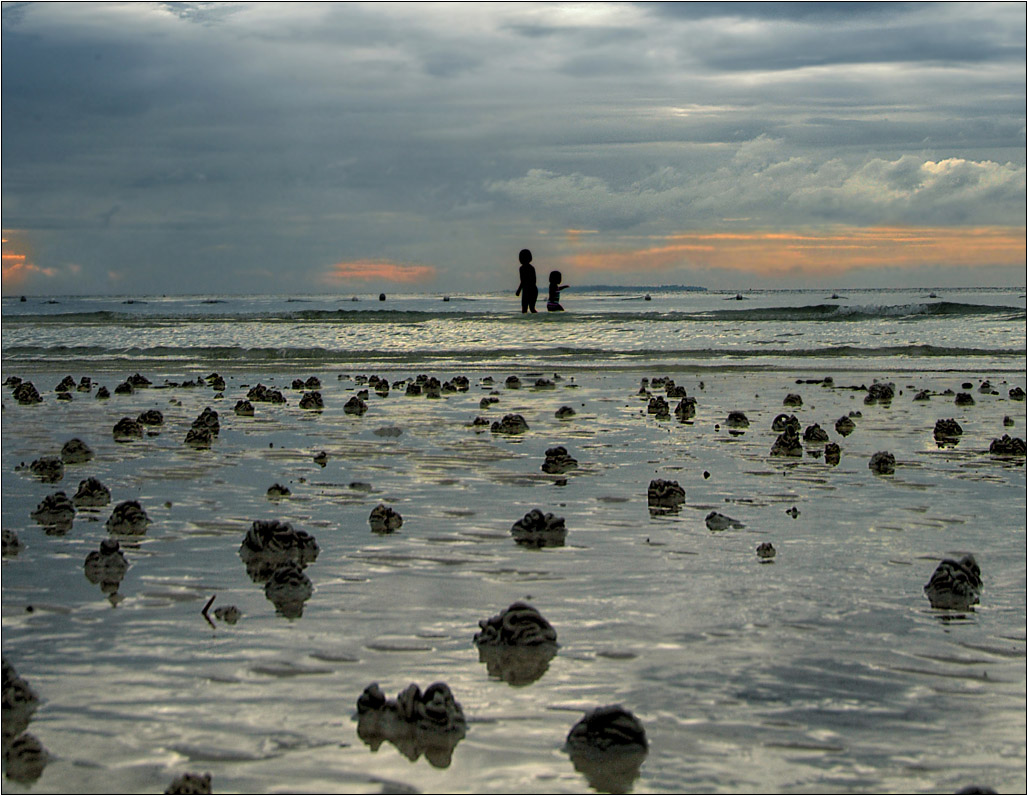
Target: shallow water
[825,670]
[913,329]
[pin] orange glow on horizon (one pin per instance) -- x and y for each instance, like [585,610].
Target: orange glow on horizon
[15,265]
[379,271]
[835,251]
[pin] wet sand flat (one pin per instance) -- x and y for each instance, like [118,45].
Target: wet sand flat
[824,669]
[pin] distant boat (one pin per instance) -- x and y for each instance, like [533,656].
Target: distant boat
[446,298]
[647,297]
[381,296]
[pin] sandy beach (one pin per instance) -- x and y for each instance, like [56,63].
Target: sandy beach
[824,668]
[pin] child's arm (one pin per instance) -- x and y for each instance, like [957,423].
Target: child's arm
[518,291]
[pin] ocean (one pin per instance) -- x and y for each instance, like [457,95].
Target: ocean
[822,669]
[615,327]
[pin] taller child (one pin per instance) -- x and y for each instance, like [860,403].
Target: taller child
[528,289]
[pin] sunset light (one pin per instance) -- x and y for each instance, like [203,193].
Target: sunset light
[836,251]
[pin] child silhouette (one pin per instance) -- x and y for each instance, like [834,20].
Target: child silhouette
[553,302]
[528,289]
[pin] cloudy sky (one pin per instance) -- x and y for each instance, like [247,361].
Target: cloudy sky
[207,147]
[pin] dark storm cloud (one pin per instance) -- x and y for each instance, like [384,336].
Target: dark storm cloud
[160,141]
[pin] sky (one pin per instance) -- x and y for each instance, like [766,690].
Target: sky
[193,148]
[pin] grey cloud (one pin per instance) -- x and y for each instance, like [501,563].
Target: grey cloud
[314,133]
[771,188]
[819,12]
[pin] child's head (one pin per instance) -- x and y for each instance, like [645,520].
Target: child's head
[554,277]
[525,256]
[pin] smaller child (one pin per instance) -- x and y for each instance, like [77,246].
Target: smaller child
[553,302]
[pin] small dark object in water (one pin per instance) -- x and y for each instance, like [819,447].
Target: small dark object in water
[880,392]
[263,394]
[48,469]
[511,424]
[276,491]
[563,413]
[190,783]
[766,550]
[25,758]
[784,421]
[92,492]
[845,426]
[25,393]
[55,511]
[737,420]
[792,399]
[923,395]
[127,429]
[128,517]
[815,433]
[664,495]
[75,451]
[199,437]
[964,399]
[106,566]
[882,463]
[228,614]
[384,519]
[151,417]
[659,407]
[312,400]
[947,430]
[11,543]
[608,746]
[832,453]
[719,522]
[1016,394]
[536,529]
[517,625]
[208,418]
[1007,446]
[955,585]
[686,409]
[558,460]
[609,728]
[381,296]
[269,543]
[787,444]
[243,408]
[430,723]
[355,406]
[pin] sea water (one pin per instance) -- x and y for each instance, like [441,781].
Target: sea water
[825,670]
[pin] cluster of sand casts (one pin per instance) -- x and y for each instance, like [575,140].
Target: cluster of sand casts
[609,744]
